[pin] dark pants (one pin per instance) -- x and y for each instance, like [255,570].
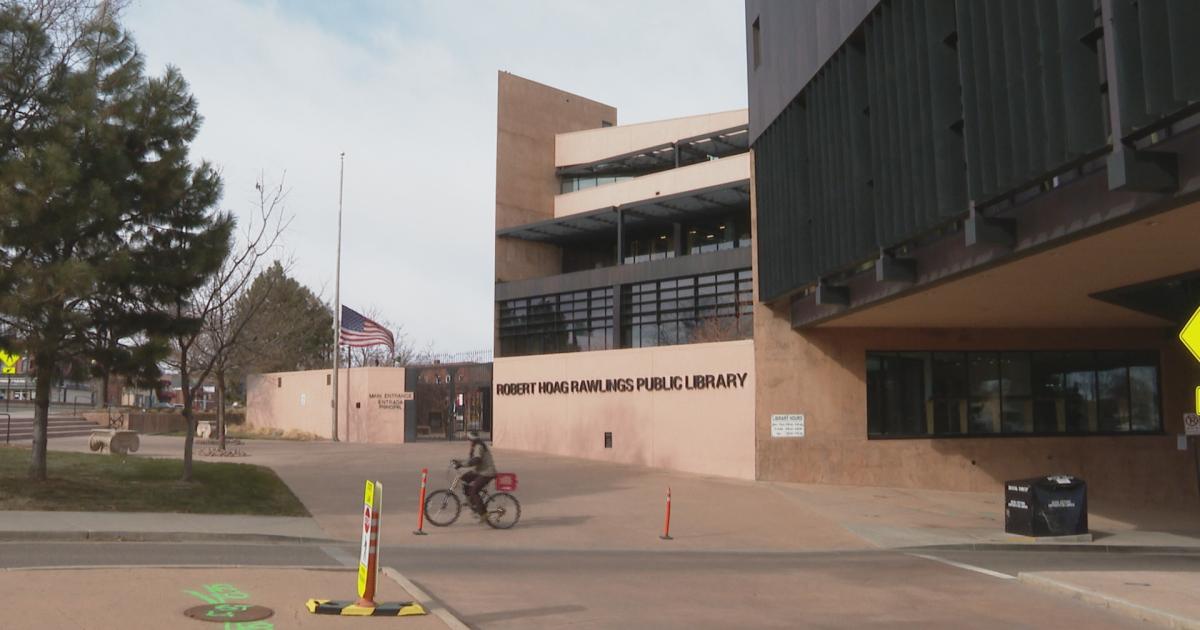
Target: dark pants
[473,482]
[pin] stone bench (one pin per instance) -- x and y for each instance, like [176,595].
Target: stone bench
[117,441]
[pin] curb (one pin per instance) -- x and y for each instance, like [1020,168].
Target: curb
[132,536]
[138,536]
[425,600]
[1145,614]
[1083,547]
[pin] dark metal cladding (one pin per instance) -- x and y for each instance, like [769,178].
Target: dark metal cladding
[1025,69]
[1158,59]
[924,109]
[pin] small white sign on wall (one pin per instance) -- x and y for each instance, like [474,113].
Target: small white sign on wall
[787,425]
[1191,424]
[303,400]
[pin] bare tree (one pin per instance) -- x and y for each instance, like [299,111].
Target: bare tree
[710,329]
[208,350]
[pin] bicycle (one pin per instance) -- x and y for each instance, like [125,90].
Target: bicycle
[115,421]
[501,509]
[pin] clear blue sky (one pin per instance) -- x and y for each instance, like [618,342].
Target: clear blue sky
[408,91]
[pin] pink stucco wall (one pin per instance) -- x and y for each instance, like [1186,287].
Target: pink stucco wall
[709,431]
[300,400]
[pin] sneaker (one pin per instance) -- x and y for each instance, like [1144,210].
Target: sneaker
[481,517]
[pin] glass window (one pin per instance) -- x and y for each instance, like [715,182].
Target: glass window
[1112,392]
[556,323]
[1048,391]
[949,400]
[664,312]
[1012,393]
[983,376]
[1143,393]
[899,385]
[1017,408]
[1079,392]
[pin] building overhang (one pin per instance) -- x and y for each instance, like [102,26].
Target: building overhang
[691,150]
[700,203]
[1081,255]
[575,227]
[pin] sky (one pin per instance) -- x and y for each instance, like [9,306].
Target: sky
[407,89]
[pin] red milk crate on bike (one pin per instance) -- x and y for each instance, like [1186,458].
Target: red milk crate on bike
[506,482]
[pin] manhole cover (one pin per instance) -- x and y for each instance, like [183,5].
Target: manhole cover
[221,613]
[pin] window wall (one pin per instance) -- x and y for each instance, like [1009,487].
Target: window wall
[690,309]
[572,184]
[727,232]
[699,236]
[935,394]
[694,309]
[566,322]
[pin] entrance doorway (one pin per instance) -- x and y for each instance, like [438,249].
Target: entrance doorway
[452,399]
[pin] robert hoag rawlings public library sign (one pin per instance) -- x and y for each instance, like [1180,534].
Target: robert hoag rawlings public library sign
[729,380]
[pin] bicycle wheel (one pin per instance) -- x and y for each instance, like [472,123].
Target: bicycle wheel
[442,508]
[503,510]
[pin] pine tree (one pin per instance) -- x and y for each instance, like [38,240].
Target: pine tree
[103,218]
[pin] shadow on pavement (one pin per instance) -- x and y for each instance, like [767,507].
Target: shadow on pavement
[525,613]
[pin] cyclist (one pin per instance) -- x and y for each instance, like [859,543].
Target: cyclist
[483,470]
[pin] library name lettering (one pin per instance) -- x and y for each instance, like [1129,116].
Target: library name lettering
[690,382]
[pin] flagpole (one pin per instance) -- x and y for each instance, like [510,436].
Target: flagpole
[337,298]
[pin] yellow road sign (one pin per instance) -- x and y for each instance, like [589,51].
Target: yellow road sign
[8,362]
[1190,335]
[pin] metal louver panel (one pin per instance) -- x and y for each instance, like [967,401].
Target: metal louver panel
[784,252]
[869,155]
[1157,58]
[1031,90]
[913,92]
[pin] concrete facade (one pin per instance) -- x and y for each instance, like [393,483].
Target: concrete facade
[372,405]
[822,374]
[564,396]
[707,431]
[591,145]
[528,116]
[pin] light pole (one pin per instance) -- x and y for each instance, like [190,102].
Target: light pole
[337,298]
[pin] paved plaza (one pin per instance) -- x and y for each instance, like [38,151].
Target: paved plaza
[587,551]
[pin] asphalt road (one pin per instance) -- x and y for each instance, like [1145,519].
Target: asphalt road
[678,589]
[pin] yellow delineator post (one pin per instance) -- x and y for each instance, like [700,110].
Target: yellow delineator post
[368,569]
[370,549]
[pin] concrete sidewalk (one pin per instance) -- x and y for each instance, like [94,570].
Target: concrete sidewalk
[573,504]
[139,597]
[154,526]
[582,504]
[1163,598]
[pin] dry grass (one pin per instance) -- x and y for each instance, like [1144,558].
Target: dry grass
[112,483]
[269,433]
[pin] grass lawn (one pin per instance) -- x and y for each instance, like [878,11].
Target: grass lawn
[86,482]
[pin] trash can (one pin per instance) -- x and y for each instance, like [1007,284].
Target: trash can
[1055,505]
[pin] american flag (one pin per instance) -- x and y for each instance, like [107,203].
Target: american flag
[360,332]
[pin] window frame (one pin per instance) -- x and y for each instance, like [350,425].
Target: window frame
[999,354]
